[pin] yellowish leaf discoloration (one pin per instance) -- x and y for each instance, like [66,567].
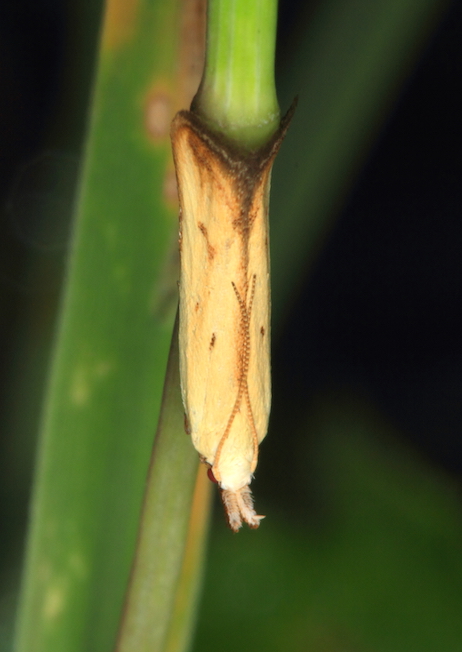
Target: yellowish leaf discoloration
[119,23]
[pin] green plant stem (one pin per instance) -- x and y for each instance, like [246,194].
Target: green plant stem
[164,523]
[187,599]
[237,96]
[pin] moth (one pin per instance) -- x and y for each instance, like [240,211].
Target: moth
[224,331]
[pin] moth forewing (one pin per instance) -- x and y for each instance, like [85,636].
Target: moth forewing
[224,305]
[208,313]
[259,371]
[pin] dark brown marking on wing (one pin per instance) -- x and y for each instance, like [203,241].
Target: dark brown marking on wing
[212,341]
[246,170]
[210,249]
[244,359]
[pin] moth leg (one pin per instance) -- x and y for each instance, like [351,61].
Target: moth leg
[239,507]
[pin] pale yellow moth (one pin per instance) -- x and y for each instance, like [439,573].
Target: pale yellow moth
[224,332]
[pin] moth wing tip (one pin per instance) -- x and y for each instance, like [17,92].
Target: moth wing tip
[239,507]
[254,521]
[234,522]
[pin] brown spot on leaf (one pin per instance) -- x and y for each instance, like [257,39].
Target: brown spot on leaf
[192,48]
[158,114]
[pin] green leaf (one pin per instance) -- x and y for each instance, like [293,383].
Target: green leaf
[111,351]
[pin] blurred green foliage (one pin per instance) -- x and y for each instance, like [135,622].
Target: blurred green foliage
[367,554]
[366,558]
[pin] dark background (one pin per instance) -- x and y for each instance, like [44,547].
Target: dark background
[383,309]
[381,312]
